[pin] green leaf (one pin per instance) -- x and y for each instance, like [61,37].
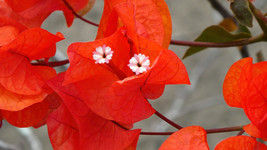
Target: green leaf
[242,29]
[242,12]
[261,19]
[216,34]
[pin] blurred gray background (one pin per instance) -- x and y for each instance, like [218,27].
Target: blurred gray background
[201,103]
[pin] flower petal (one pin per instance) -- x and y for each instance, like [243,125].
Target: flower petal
[236,80]
[255,102]
[168,69]
[15,102]
[38,10]
[62,129]
[128,106]
[82,64]
[188,138]
[35,43]
[252,130]
[8,33]
[98,134]
[19,76]
[152,91]
[29,116]
[240,143]
[135,16]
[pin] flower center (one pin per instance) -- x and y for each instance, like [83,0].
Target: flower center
[102,54]
[139,63]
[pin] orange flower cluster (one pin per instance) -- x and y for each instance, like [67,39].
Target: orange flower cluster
[110,81]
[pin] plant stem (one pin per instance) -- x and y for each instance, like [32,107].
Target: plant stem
[209,131]
[226,129]
[241,132]
[58,63]
[78,16]
[156,133]
[52,64]
[226,44]
[244,51]
[217,6]
[168,120]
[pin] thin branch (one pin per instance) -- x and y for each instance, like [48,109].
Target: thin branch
[217,6]
[225,44]
[168,120]
[227,129]
[52,63]
[209,131]
[241,132]
[156,133]
[78,16]
[58,63]
[244,51]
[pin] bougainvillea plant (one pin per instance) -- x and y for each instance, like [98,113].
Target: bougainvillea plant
[110,82]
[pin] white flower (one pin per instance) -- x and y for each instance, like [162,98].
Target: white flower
[139,63]
[102,54]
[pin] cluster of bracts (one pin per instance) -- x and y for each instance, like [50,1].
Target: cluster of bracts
[107,87]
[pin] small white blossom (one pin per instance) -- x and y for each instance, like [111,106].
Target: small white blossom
[102,54]
[139,63]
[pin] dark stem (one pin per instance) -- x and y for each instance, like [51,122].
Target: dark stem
[52,64]
[227,129]
[209,131]
[241,132]
[217,6]
[244,52]
[156,133]
[78,16]
[226,44]
[168,120]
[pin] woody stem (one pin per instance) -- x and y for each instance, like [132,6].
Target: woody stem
[209,131]
[168,120]
[52,64]
[255,39]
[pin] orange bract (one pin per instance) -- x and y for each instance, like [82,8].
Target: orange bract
[188,138]
[116,92]
[240,143]
[34,12]
[136,17]
[245,86]
[253,131]
[22,84]
[76,126]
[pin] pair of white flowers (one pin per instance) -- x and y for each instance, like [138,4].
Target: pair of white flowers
[139,63]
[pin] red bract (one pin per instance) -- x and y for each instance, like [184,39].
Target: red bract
[8,33]
[74,126]
[240,143]
[33,115]
[136,17]
[245,86]
[112,90]
[22,84]
[33,12]
[189,138]
[254,131]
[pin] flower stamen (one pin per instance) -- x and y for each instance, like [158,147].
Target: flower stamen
[139,63]
[102,54]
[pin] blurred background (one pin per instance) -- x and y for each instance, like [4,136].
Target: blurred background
[200,103]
